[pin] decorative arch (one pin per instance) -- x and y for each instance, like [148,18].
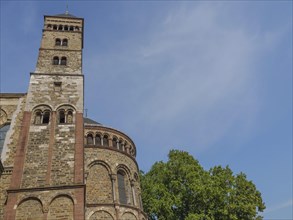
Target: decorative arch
[95,162]
[66,106]
[65,114]
[29,208]
[61,207]
[99,184]
[101,215]
[124,168]
[42,114]
[128,216]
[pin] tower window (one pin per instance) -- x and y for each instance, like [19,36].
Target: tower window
[69,118]
[60,28]
[65,28]
[57,42]
[56,61]
[64,42]
[63,61]
[54,27]
[49,26]
[77,28]
[46,117]
[61,117]
[71,28]
[38,118]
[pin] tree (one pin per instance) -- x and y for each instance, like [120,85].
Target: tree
[181,189]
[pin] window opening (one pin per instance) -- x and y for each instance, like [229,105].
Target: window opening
[56,61]
[69,117]
[57,42]
[64,42]
[46,117]
[71,28]
[66,28]
[98,140]
[3,132]
[60,28]
[105,141]
[63,61]
[38,118]
[114,142]
[121,188]
[55,27]
[61,117]
[90,140]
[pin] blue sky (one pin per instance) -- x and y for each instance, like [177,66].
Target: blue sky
[213,78]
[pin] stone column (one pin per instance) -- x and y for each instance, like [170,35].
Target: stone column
[133,192]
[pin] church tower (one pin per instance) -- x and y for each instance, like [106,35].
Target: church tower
[55,164]
[49,155]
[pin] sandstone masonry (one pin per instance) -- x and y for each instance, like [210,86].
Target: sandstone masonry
[56,164]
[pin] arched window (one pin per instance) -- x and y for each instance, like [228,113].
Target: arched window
[46,117]
[114,142]
[65,28]
[54,27]
[69,117]
[3,130]
[60,28]
[105,141]
[71,28]
[121,187]
[77,28]
[65,42]
[61,117]
[120,145]
[63,61]
[57,42]
[38,118]
[56,61]
[89,139]
[98,140]
[49,26]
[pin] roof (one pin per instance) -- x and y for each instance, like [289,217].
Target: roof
[90,121]
[66,15]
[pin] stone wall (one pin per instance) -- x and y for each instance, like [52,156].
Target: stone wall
[42,90]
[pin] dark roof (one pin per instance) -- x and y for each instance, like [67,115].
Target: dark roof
[66,15]
[90,121]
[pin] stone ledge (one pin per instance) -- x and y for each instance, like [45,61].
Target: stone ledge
[76,186]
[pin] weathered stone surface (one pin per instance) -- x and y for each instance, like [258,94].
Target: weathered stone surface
[51,168]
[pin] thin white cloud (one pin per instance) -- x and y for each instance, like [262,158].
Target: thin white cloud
[193,68]
[281,206]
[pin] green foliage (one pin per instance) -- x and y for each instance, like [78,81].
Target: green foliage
[181,189]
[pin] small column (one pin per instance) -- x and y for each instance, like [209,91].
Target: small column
[110,142]
[133,192]
[113,180]
[127,148]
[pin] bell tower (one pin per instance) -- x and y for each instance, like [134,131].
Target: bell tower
[61,46]
[48,164]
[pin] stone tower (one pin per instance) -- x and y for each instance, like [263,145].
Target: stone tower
[56,164]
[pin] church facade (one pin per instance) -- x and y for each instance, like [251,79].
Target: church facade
[55,163]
